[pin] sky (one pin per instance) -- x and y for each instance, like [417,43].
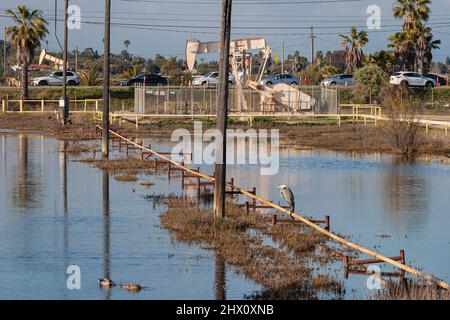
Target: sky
[162,26]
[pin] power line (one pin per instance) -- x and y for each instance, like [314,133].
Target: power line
[246,2]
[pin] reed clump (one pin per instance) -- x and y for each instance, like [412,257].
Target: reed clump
[77,148]
[410,290]
[126,178]
[239,239]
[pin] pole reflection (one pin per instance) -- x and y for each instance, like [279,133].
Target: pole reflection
[220,278]
[106,232]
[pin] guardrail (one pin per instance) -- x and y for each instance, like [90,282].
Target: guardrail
[48,105]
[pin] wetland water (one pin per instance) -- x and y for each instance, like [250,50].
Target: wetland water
[55,212]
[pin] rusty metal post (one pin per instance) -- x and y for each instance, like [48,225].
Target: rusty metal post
[182,178]
[346,264]
[327,223]
[247,208]
[274,219]
[254,200]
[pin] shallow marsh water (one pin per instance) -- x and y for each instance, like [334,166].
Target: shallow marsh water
[55,212]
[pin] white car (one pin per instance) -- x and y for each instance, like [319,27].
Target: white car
[412,79]
[211,78]
[56,79]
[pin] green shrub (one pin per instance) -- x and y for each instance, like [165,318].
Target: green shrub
[369,80]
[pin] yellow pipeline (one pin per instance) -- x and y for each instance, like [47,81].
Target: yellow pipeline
[300,218]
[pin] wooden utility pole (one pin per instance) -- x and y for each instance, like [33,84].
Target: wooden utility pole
[105,133]
[312,36]
[76,59]
[65,58]
[4,58]
[222,110]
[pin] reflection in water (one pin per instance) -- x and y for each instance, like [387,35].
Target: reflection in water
[106,232]
[26,192]
[63,172]
[406,192]
[63,164]
[220,277]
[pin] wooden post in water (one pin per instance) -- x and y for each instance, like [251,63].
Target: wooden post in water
[222,111]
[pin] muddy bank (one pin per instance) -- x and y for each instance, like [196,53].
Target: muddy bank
[347,137]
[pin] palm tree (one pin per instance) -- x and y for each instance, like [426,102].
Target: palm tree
[353,46]
[26,34]
[383,59]
[415,14]
[425,46]
[399,43]
[126,43]
[413,11]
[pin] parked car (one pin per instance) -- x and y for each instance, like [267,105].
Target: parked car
[412,79]
[280,78]
[442,81]
[150,79]
[209,79]
[338,79]
[56,79]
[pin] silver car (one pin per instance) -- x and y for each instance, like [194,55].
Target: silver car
[56,79]
[339,79]
[280,78]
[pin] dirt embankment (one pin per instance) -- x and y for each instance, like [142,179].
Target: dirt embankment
[347,137]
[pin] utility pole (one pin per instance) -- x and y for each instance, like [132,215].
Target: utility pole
[222,111]
[65,102]
[4,58]
[282,59]
[312,36]
[76,59]
[105,132]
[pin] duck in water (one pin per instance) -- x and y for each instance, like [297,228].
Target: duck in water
[106,283]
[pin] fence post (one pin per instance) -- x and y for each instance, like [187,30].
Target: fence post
[42,105]
[3,105]
[20,105]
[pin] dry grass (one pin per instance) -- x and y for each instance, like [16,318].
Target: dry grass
[122,165]
[147,184]
[410,290]
[78,148]
[283,273]
[126,178]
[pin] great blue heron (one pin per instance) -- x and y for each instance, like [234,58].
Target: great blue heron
[287,194]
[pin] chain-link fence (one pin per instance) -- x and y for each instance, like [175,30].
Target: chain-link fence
[203,100]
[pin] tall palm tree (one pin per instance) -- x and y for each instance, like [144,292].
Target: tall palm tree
[353,46]
[415,14]
[413,11]
[400,44]
[26,34]
[126,43]
[425,46]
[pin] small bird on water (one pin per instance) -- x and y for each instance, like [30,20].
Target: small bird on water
[106,283]
[287,194]
[132,287]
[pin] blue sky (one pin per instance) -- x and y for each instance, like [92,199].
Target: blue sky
[151,21]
